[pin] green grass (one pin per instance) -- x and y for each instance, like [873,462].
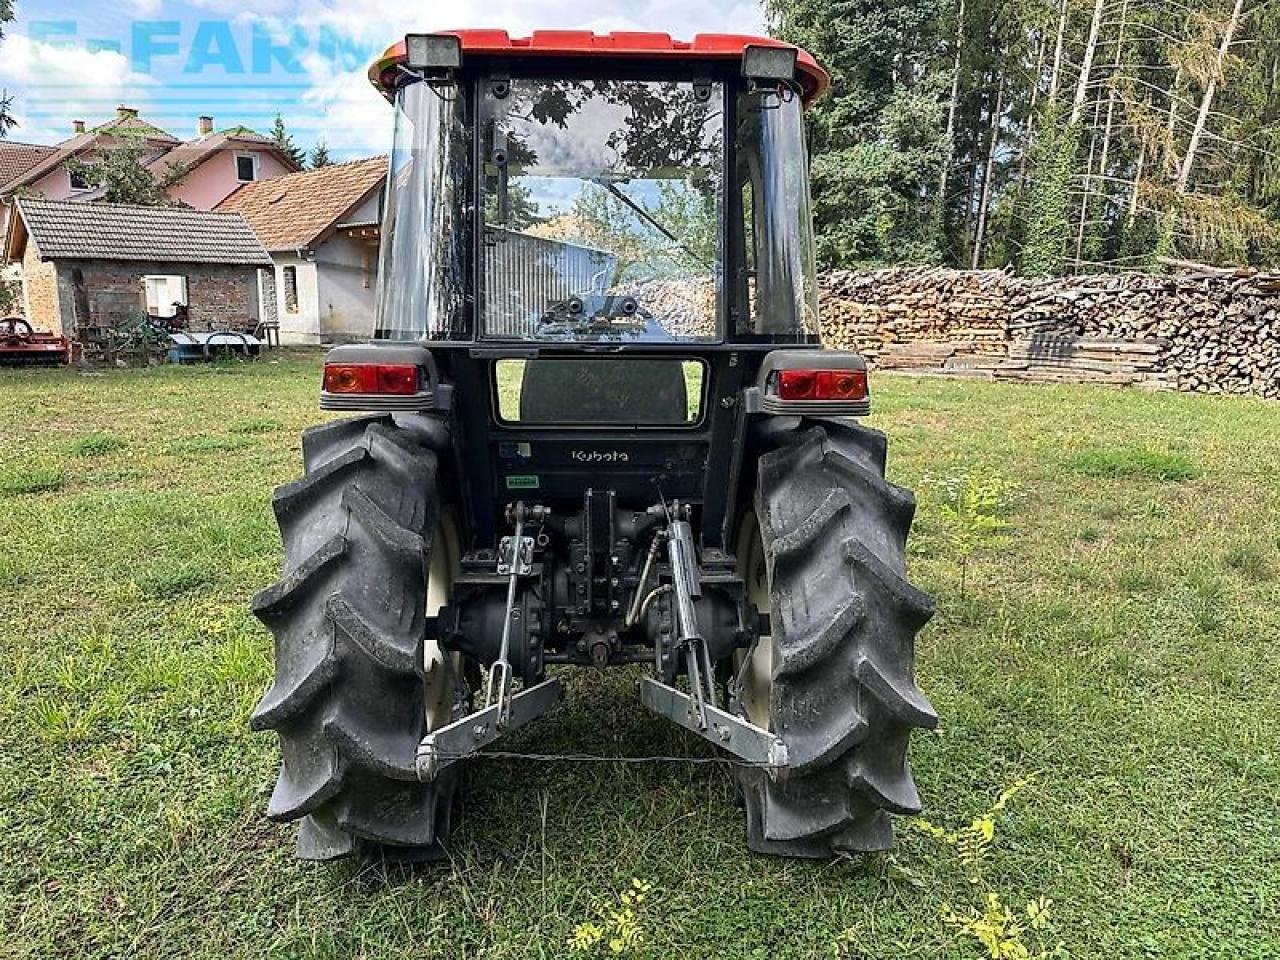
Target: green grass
[95,445]
[1116,637]
[1133,462]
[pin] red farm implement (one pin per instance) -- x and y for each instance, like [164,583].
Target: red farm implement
[21,344]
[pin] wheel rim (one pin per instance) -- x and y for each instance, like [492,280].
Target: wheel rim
[441,671]
[753,667]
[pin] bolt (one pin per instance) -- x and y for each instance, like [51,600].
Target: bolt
[725,734]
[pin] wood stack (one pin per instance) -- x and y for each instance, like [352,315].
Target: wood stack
[868,312]
[1064,358]
[1208,330]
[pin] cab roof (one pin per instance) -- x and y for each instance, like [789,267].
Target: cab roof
[583,43]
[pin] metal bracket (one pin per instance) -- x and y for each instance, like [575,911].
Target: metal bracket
[467,735]
[740,738]
[519,562]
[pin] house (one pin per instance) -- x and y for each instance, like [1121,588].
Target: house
[89,266]
[321,228]
[204,170]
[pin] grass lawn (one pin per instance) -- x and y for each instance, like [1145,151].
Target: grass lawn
[1107,569]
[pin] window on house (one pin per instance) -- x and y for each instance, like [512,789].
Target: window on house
[246,167]
[166,295]
[77,179]
[290,285]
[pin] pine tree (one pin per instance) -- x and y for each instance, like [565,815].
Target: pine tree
[284,143]
[878,138]
[320,156]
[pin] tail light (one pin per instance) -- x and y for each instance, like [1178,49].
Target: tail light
[844,385]
[385,379]
[810,383]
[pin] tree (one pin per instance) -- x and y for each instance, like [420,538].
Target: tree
[284,143]
[878,140]
[123,177]
[320,156]
[7,121]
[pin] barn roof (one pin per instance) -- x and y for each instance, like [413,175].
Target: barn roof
[116,231]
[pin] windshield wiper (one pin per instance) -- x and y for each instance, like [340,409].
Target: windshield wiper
[614,189]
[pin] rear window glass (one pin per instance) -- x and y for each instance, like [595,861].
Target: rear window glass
[616,391]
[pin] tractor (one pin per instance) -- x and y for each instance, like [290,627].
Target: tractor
[595,427]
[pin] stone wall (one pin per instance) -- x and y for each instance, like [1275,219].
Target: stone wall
[40,292]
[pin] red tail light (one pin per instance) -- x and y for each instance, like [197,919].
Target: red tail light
[822,385]
[396,379]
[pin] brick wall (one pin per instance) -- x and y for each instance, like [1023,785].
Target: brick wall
[40,292]
[218,297]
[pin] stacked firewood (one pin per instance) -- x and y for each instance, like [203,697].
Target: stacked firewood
[868,311]
[1210,331]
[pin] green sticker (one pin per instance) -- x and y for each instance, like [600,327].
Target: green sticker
[524,481]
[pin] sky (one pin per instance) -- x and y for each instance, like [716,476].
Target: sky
[242,62]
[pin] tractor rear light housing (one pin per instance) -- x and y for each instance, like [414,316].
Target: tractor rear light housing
[811,382]
[822,384]
[382,377]
[389,379]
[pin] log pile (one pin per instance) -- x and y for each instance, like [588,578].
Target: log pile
[1208,331]
[869,311]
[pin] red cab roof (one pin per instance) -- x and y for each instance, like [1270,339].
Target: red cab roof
[569,43]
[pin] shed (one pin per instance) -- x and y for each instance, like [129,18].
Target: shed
[89,266]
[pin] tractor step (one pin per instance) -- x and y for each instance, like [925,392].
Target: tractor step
[744,740]
[467,735]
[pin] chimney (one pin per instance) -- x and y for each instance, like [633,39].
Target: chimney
[126,113]
[205,126]
[77,126]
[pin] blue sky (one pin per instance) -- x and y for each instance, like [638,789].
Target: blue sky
[242,62]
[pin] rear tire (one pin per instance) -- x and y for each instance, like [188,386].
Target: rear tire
[349,701]
[835,681]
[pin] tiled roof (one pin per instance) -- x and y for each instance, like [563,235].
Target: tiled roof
[294,211]
[195,152]
[133,126]
[126,125]
[116,231]
[17,158]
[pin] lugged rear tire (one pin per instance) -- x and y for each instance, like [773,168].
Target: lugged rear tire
[348,618]
[836,679]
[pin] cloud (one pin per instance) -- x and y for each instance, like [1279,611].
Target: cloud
[335,41]
[341,107]
[57,83]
